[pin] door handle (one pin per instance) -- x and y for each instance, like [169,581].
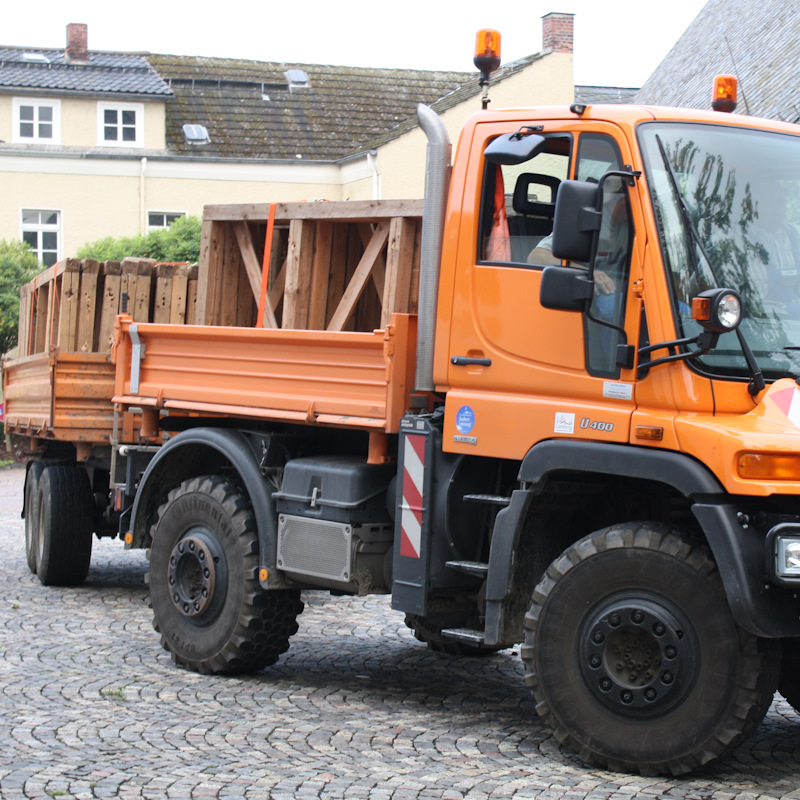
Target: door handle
[466,361]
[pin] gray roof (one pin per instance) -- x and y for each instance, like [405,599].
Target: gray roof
[48,71]
[759,42]
[597,95]
[343,110]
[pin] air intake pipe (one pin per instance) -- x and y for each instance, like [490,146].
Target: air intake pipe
[437,182]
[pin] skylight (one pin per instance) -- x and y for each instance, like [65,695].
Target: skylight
[297,78]
[37,58]
[196,134]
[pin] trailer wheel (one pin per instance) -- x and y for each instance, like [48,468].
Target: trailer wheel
[633,656]
[429,630]
[208,605]
[789,684]
[63,513]
[31,513]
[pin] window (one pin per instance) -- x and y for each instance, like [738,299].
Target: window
[162,219]
[519,202]
[37,120]
[120,124]
[41,230]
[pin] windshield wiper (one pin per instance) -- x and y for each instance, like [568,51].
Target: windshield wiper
[757,382]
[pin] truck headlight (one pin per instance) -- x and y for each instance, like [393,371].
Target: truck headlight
[784,541]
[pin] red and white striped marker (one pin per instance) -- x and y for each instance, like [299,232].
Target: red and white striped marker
[413,496]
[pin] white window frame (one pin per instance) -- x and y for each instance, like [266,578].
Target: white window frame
[175,214]
[137,108]
[38,103]
[42,227]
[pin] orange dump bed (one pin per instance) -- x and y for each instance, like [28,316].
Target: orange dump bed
[351,379]
[57,395]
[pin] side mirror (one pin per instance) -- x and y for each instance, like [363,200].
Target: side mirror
[514,148]
[565,288]
[577,218]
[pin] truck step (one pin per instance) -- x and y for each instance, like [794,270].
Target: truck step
[489,499]
[464,635]
[470,567]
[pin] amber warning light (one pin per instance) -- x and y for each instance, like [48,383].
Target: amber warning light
[724,94]
[487,51]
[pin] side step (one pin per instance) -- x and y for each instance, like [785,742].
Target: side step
[489,499]
[464,635]
[470,567]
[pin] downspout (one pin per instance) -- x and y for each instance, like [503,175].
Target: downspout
[372,163]
[437,182]
[142,198]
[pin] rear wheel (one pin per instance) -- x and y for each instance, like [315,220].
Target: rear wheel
[63,511]
[208,605]
[634,659]
[31,513]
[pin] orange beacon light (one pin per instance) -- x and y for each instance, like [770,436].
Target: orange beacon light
[723,97]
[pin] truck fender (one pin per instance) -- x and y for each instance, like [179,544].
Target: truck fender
[739,554]
[197,452]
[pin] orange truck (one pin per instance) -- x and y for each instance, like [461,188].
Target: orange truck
[584,440]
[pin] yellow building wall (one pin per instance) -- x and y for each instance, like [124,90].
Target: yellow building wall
[547,81]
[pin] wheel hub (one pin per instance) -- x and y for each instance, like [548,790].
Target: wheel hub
[192,574]
[637,657]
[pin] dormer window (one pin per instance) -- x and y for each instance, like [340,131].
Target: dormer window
[120,124]
[37,121]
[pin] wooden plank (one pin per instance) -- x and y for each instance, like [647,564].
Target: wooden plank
[338,269]
[137,279]
[247,253]
[298,274]
[209,277]
[109,304]
[320,276]
[231,271]
[90,271]
[25,317]
[162,293]
[359,280]
[338,211]
[70,299]
[191,297]
[399,266]
[180,286]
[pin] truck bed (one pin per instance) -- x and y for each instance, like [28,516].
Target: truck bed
[60,395]
[351,379]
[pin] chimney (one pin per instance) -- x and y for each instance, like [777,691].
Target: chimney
[77,43]
[557,33]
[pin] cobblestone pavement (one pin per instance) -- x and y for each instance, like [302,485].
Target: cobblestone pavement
[91,707]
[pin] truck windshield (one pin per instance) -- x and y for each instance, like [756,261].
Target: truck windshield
[739,227]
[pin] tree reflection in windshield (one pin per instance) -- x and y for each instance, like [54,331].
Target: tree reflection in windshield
[740,187]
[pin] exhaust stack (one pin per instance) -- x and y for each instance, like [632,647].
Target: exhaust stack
[437,182]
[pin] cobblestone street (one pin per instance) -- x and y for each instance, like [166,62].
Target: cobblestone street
[91,706]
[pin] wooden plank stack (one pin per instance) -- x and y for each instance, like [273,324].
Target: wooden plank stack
[73,305]
[331,266]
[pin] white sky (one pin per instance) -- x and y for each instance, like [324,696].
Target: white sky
[617,42]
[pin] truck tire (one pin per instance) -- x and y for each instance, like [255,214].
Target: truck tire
[789,683]
[63,514]
[634,659]
[429,631]
[31,513]
[207,602]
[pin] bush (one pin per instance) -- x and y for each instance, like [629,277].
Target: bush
[179,242]
[18,265]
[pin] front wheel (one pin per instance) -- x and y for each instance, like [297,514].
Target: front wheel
[208,605]
[633,656]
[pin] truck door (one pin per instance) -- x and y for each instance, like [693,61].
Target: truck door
[519,373]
